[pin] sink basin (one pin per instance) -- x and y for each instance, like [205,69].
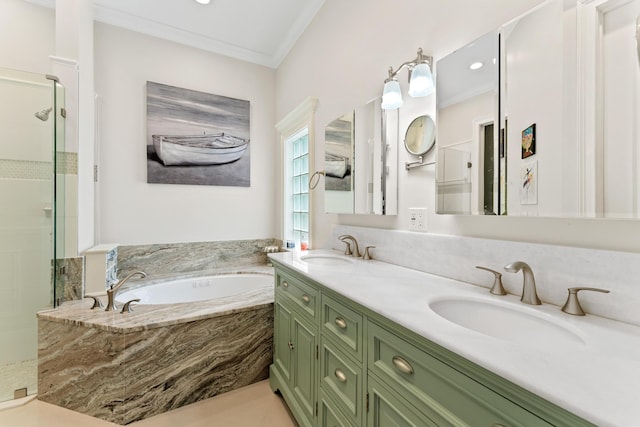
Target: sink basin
[522,325]
[325,259]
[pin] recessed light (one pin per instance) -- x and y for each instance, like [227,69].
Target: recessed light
[476,65]
[204,1]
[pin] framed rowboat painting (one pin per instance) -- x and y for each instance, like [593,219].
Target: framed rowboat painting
[196,138]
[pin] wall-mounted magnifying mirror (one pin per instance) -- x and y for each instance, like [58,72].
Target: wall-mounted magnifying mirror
[421,136]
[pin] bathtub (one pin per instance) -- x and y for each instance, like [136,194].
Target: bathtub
[188,339]
[198,288]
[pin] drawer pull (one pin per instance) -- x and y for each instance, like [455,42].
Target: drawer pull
[341,323]
[402,365]
[341,376]
[497,425]
[306,298]
[285,284]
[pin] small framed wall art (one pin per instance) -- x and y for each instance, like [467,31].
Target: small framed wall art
[529,141]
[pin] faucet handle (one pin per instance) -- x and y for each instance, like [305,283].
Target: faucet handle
[126,308]
[572,306]
[367,255]
[347,249]
[97,302]
[497,288]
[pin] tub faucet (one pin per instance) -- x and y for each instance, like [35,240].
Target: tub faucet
[355,251]
[113,289]
[529,294]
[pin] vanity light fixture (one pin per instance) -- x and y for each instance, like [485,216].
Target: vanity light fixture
[476,65]
[420,81]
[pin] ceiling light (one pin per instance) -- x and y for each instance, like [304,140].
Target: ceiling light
[204,1]
[476,65]
[420,81]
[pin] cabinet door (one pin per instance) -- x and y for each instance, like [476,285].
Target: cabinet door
[304,340]
[283,354]
[386,410]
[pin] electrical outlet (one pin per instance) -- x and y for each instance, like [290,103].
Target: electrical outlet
[418,219]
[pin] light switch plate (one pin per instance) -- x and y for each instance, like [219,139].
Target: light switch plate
[418,219]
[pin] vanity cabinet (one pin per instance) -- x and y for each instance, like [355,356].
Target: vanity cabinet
[294,367]
[338,363]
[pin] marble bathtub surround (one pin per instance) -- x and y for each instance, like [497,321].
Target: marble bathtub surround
[556,268]
[69,274]
[127,367]
[172,258]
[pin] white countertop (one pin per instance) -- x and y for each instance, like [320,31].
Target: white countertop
[598,380]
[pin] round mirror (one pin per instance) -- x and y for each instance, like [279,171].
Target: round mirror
[421,136]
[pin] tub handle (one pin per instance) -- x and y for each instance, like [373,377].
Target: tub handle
[341,323]
[402,365]
[97,302]
[306,298]
[285,284]
[127,306]
[340,376]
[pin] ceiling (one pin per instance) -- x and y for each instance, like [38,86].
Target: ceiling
[256,31]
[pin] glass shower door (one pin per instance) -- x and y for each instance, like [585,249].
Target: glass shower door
[27,130]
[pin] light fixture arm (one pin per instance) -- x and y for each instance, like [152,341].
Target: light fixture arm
[421,58]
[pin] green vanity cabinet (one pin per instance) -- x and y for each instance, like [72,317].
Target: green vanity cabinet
[338,363]
[294,369]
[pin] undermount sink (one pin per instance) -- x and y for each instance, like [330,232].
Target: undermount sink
[325,259]
[508,322]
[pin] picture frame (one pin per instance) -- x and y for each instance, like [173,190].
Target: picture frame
[529,141]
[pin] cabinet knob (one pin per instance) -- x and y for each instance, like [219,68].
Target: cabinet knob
[306,298]
[285,284]
[341,323]
[572,306]
[340,376]
[402,365]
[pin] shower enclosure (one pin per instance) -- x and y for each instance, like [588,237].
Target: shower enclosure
[31,219]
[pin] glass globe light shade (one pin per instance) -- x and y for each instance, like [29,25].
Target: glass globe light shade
[421,83]
[391,96]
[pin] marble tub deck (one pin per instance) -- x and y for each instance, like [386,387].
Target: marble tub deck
[127,367]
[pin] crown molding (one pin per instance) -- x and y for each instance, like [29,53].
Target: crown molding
[160,30]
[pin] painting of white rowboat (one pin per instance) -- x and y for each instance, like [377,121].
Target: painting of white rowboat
[199,150]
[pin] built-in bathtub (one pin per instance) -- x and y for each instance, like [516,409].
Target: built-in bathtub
[124,367]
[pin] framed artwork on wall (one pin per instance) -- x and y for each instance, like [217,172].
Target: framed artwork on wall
[529,141]
[529,183]
[196,138]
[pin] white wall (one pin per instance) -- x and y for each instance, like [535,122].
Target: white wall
[134,212]
[343,59]
[24,28]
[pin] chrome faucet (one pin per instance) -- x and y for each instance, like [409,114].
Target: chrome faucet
[113,289]
[351,249]
[529,294]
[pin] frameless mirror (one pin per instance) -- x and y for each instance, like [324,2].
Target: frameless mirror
[470,163]
[338,164]
[565,112]
[420,136]
[360,164]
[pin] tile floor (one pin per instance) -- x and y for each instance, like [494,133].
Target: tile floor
[254,405]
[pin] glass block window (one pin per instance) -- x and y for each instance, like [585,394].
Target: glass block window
[297,188]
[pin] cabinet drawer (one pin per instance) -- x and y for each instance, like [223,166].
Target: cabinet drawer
[436,389]
[330,415]
[343,324]
[304,296]
[342,379]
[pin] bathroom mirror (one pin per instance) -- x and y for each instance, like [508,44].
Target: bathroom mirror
[420,137]
[469,163]
[566,121]
[360,161]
